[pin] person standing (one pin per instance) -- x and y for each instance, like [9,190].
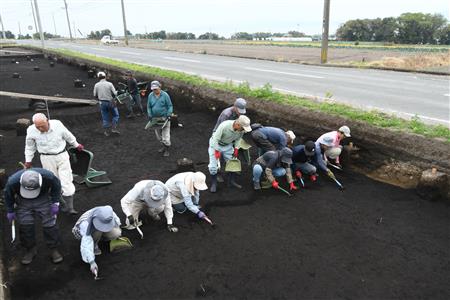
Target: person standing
[34,192]
[98,223]
[225,142]
[135,95]
[232,112]
[49,138]
[159,109]
[105,92]
[152,195]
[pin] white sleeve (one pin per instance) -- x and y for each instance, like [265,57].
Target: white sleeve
[127,200]
[30,147]
[68,136]
[87,249]
[168,211]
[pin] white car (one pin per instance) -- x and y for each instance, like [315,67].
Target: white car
[107,40]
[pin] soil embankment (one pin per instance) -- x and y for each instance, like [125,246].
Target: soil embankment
[372,241]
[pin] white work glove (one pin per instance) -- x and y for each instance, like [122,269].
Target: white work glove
[172,228]
[94,268]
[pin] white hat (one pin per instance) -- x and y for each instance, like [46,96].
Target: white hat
[101,74]
[244,121]
[155,85]
[195,180]
[290,135]
[345,130]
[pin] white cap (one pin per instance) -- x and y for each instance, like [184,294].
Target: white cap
[101,74]
[345,130]
[290,134]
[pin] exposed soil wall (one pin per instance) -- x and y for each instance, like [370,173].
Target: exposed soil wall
[391,156]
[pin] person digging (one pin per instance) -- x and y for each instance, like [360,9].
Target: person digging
[49,139]
[98,223]
[35,192]
[225,143]
[334,151]
[274,164]
[159,109]
[152,195]
[302,158]
[318,160]
[184,192]
[268,138]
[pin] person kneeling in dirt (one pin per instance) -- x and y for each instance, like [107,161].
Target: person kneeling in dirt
[269,138]
[184,192]
[274,164]
[159,109]
[232,112]
[335,150]
[225,141]
[105,92]
[317,160]
[49,138]
[302,156]
[98,223]
[152,195]
[36,192]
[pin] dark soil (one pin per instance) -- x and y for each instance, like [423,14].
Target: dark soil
[372,241]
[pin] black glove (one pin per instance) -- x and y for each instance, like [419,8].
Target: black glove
[131,220]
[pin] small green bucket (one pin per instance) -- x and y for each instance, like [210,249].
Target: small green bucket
[233,165]
[124,98]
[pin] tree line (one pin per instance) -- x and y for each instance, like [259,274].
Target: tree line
[408,28]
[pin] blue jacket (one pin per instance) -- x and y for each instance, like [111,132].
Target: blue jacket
[50,184]
[159,107]
[299,156]
[276,136]
[317,159]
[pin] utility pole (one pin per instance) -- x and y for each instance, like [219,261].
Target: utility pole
[39,23]
[34,17]
[3,28]
[68,21]
[124,23]
[326,23]
[74,30]
[20,31]
[54,24]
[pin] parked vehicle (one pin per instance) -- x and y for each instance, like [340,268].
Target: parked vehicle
[108,40]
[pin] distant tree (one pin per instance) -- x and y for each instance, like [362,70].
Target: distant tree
[278,34]
[8,35]
[443,35]
[24,37]
[261,35]
[419,28]
[129,33]
[46,36]
[190,36]
[242,36]
[97,35]
[209,36]
[294,33]
[385,30]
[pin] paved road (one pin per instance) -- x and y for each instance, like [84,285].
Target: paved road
[405,94]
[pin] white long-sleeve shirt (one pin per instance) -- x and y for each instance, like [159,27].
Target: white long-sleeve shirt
[135,199]
[87,242]
[51,142]
[179,192]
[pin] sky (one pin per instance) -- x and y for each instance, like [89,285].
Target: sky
[224,17]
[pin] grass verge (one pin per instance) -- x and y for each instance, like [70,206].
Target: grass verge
[265,93]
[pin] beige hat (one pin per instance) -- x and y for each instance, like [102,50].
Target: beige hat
[244,121]
[194,181]
[290,135]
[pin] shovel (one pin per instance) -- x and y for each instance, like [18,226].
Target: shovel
[300,180]
[208,220]
[96,278]
[341,187]
[334,166]
[13,231]
[284,191]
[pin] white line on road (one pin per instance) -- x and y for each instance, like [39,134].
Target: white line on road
[181,59]
[285,73]
[99,49]
[447,95]
[128,52]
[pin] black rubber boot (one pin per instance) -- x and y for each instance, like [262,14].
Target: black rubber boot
[232,181]
[68,207]
[56,256]
[166,151]
[28,256]
[213,187]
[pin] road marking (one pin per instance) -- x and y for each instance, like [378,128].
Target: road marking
[285,73]
[101,49]
[128,52]
[181,59]
[447,95]
[76,46]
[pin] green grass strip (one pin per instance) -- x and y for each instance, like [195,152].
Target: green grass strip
[265,93]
